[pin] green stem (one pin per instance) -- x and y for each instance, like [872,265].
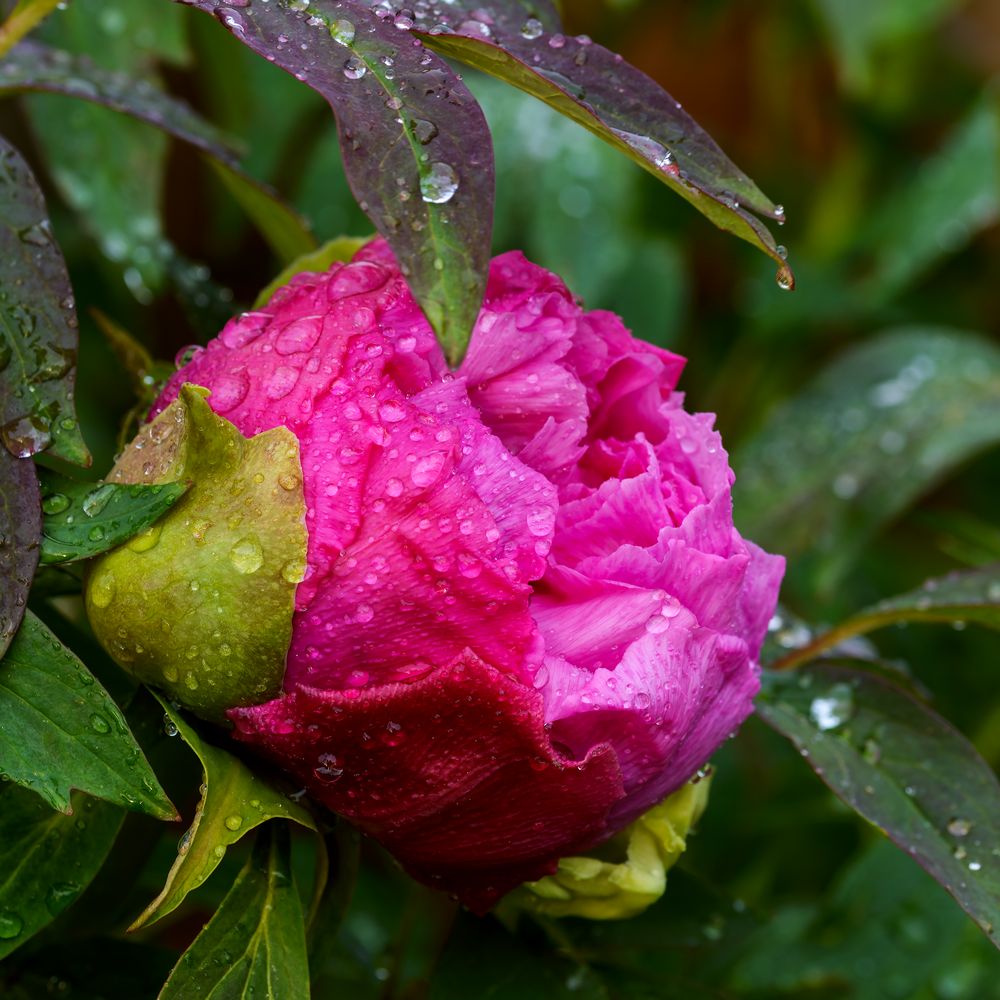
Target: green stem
[24,17]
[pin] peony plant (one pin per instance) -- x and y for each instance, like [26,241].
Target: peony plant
[524,616]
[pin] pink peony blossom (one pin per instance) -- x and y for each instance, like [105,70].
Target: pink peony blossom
[527,616]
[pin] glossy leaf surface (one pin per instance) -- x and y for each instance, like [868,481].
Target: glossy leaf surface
[60,730]
[85,519]
[521,44]
[47,858]
[255,945]
[903,768]
[234,802]
[416,147]
[38,337]
[20,528]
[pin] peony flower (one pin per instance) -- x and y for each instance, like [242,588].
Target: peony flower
[525,617]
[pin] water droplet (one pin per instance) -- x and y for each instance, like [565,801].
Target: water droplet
[25,436]
[425,470]
[56,503]
[102,590]
[99,724]
[541,521]
[328,769]
[785,279]
[531,29]
[145,540]
[354,68]
[833,709]
[60,895]
[423,130]
[958,827]
[364,613]
[11,925]
[247,556]
[439,184]
[95,501]
[342,31]
[234,822]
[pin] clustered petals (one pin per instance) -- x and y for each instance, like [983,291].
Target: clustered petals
[527,616]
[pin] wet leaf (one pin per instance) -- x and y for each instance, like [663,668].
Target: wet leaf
[234,802]
[614,100]
[903,768]
[972,596]
[339,250]
[59,729]
[35,67]
[255,944]
[38,336]
[415,144]
[85,519]
[170,605]
[863,440]
[47,858]
[20,529]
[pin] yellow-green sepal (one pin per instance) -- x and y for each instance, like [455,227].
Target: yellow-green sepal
[201,604]
[601,889]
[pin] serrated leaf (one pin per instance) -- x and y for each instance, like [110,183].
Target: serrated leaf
[415,145]
[47,858]
[972,596]
[255,944]
[862,441]
[340,250]
[20,529]
[33,67]
[85,519]
[235,540]
[617,102]
[59,729]
[903,768]
[38,338]
[234,802]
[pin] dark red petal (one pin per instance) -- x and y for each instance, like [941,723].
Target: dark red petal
[453,773]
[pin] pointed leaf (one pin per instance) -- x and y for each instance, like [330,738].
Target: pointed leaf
[59,729]
[20,528]
[38,338]
[865,438]
[904,769]
[972,596]
[85,519]
[32,66]
[617,102]
[234,802]
[416,147]
[47,858]
[255,945]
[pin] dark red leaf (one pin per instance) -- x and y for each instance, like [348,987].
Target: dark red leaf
[20,531]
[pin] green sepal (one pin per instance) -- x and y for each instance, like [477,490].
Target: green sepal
[601,889]
[201,603]
[341,250]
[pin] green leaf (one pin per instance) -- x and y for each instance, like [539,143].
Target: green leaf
[59,729]
[617,102]
[255,945]
[47,858]
[170,605]
[38,338]
[972,596]
[234,802]
[20,528]
[32,67]
[903,768]
[339,250]
[863,440]
[954,195]
[26,15]
[86,519]
[284,229]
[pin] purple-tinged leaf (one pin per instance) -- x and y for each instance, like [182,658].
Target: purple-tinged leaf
[903,768]
[416,147]
[38,336]
[20,531]
[520,43]
[33,67]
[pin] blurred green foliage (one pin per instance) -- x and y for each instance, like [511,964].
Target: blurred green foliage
[877,124]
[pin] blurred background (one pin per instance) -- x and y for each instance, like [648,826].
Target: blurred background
[860,410]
